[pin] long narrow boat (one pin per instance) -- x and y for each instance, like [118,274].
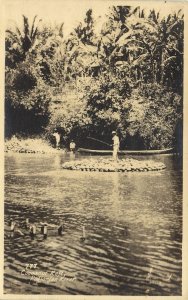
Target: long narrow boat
[125,152]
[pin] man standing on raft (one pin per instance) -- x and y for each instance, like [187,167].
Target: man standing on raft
[116,143]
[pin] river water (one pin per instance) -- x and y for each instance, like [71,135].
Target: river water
[133,225]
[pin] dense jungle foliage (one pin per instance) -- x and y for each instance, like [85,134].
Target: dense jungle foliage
[126,77]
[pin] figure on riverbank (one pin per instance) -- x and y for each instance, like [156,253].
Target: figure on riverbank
[72,146]
[116,143]
[57,138]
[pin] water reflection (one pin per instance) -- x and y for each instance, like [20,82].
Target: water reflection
[115,196]
[57,161]
[72,155]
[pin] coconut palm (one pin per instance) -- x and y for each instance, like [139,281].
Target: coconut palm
[155,47]
[167,35]
[80,48]
[20,41]
[117,45]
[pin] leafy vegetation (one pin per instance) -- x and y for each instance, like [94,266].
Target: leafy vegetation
[127,77]
[27,100]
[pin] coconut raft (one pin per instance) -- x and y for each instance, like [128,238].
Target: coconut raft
[109,165]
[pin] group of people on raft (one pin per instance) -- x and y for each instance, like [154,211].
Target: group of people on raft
[72,145]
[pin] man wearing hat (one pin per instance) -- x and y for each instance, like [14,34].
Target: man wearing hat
[115,140]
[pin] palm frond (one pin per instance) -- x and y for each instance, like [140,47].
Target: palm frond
[178,51]
[26,25]
[33,24]
[13,36]
[153,16]
[172,27]
[152,25]
[179,11]
[168,60]
[135,10]
[121,33]
[168,18]
[61,30]
[35,34]
[124,39]
[142,14]
[18,31]
[140,59]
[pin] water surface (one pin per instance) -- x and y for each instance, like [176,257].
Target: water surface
[133,227]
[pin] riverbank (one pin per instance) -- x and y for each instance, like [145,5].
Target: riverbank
[29,145]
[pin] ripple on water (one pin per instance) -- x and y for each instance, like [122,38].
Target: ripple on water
[132,221]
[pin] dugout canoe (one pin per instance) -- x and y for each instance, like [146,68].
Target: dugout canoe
[125,152]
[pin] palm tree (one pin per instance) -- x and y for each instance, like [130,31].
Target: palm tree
[18,42]
[85,32]
[168,38]
[80,48]
[117,45]
[155,47]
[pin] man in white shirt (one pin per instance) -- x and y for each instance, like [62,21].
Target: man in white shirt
[57,138]
[116,144]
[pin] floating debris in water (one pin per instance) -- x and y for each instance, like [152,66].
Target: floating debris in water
[32,229]
[109,165]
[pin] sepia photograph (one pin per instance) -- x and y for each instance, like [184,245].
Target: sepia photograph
[93,148]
